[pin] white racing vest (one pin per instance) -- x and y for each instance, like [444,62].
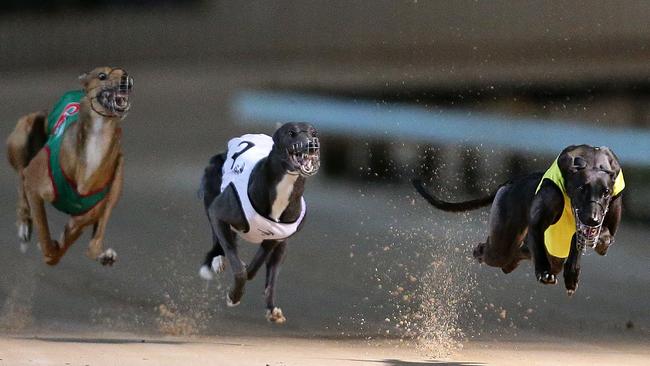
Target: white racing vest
[243,154]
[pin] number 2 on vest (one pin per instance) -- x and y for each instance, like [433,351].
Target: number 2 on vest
[249,145]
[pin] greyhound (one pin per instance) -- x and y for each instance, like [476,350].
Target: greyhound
[254,190]
[551,216]
[72,158]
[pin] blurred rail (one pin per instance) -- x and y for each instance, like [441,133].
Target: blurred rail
[368,119]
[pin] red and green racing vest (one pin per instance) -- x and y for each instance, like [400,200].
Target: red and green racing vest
[66,197]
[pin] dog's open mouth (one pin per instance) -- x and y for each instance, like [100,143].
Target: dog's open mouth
[114,97]
[114,102]
[121,102]
[305,157]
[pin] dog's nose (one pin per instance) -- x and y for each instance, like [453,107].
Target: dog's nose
[594,220]
[594,216]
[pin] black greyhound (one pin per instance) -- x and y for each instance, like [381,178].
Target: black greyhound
[552,216]
[254,190]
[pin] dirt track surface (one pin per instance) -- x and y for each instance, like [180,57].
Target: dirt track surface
[129,350]
[373,261]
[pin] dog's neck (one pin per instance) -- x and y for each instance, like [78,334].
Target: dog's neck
[274,192]
[91,150]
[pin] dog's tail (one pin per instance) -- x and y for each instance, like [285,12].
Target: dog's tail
[452,206]
[210,186]
[26,140]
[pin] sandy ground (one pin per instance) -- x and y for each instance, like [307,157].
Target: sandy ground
[372,262]
[87,349]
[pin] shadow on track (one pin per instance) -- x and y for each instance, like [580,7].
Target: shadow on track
[394,362]
[100,340]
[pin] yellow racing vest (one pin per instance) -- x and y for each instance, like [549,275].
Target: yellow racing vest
[557,237]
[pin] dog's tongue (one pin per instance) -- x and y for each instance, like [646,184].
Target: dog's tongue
[307,165]
[122,100]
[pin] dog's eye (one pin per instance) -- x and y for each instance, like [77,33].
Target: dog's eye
[293,133]
[101,76]
[607,192]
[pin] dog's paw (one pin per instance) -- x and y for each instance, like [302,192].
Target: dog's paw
[229,302]
[570,292]
[602,248]
[547,278]
[478,252]
[275,316]
[52,260]
[218,264]
[206,273]
[570,283]
[24,232]
[108,258]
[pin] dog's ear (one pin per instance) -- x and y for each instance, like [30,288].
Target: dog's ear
[614,165]
[84,79]
[276,133]
[571,161]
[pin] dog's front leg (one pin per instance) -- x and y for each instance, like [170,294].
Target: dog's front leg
[540,260]
[545,210]
[274,313]
[95,249]
[610,225]
[572,269]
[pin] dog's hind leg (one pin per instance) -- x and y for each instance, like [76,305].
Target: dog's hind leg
[479,251]
[50,248]
[27,138]
[38,189]
[507,226]
[215,260]
[524,254]
[262,255]
[274,313]
[228,240]
[73,229]
[24,222]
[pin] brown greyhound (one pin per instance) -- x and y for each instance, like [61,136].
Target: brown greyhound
[72,158]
